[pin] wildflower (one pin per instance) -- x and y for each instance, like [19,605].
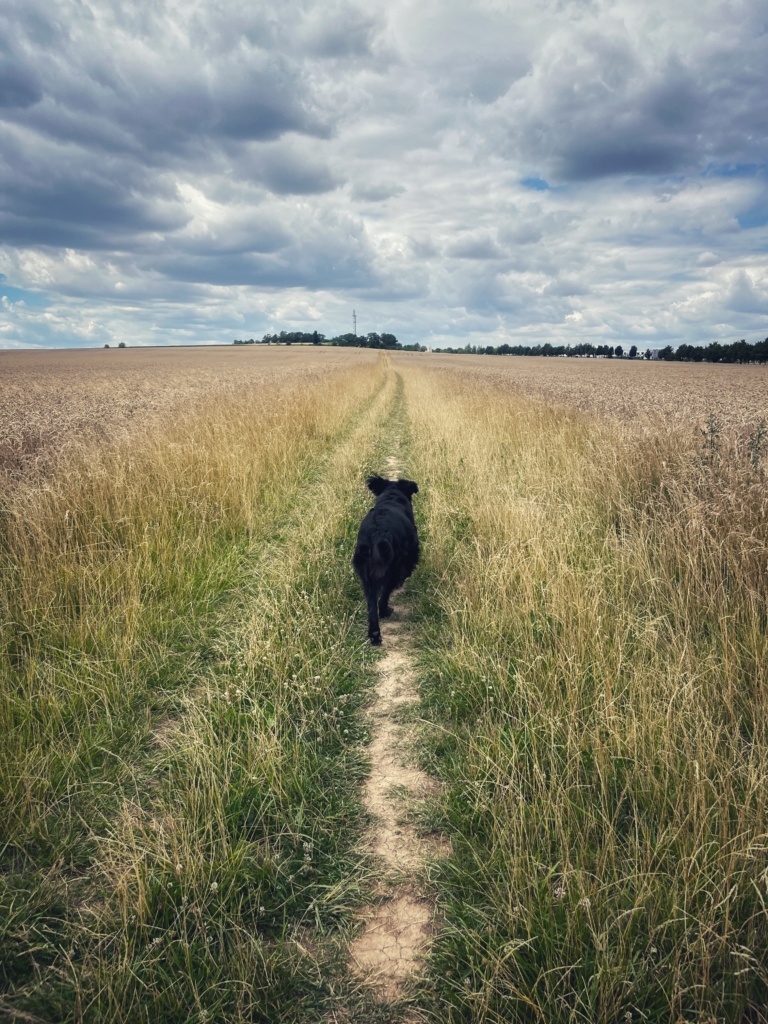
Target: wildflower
[214,886]
[559,891]
[178,869]
[585,902]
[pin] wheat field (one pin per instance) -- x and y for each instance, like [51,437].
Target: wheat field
[184,684]
[653,395]
[52,402]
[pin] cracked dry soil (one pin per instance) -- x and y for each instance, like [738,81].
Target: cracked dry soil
[398,930]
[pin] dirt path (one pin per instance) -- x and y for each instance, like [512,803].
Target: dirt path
[397,931]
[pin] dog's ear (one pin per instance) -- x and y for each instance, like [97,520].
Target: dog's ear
[408,487]
[377,484]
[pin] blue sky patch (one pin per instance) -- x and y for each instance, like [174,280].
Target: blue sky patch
[32,300]
[538,184]
[755,217]
[733,170]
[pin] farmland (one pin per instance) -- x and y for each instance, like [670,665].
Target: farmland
[187,690]
[52,402]
[649,394]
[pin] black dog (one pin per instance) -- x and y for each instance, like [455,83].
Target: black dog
[387,547]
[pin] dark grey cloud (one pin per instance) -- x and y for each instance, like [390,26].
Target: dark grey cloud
[376,192]
[287,173]
[19,86]
[339,32]
[475,247]
[152,90]
[609,107]
[290,268]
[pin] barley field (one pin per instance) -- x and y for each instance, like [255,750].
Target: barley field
[186,688]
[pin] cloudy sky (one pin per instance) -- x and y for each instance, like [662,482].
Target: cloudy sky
[453,170]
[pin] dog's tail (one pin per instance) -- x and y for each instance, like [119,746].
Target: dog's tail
[372,561]
[382,556]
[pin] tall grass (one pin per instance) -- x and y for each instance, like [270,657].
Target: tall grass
[594,616]
[183,663]
[178,681]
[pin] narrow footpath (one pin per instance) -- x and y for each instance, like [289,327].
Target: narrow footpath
[397,930]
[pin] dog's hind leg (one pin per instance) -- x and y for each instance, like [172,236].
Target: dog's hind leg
[384,609]
[374,632]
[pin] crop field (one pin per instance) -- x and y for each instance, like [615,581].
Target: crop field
[543,799]
[648,393]
[52,402]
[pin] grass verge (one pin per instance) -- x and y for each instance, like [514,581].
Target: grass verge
[594,668]
[180,676]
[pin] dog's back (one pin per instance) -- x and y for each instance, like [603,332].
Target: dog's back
[387,548]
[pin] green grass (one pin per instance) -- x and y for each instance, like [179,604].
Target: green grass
[183,681]
[594,670]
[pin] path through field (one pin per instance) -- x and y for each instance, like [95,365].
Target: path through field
[397,931]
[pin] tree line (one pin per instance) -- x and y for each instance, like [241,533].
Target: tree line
[716,352]
[372,340]
[737,352]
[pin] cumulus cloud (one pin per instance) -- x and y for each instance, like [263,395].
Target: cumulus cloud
[745,296]
[553,170]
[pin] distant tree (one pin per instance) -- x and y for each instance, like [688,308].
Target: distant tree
[667,353]
[315,338]
[107,345]
[647,354]
[121,345]
[619,351]
[633,352]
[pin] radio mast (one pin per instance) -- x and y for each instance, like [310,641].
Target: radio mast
[354,323]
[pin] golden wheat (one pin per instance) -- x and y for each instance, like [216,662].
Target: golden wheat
[655,395]
[54,404]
